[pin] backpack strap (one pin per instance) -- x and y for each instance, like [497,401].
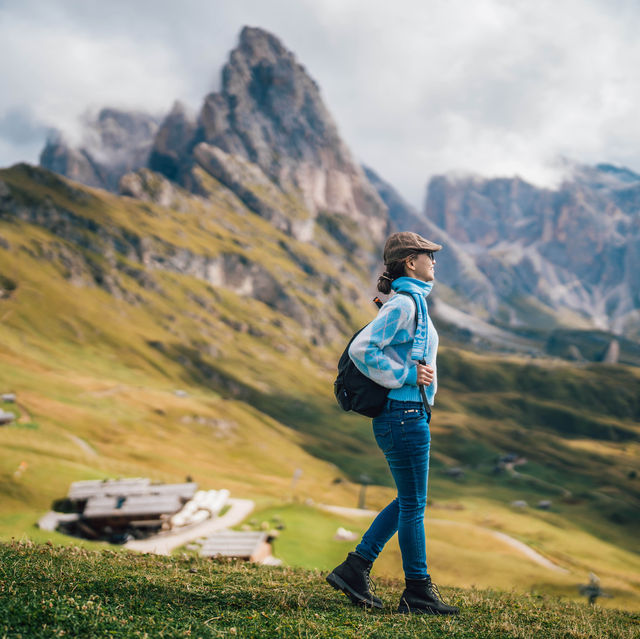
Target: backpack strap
[423,394]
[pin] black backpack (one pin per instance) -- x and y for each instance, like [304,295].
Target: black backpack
[355,391]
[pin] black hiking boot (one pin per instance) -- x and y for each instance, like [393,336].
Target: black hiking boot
[352,577]
[423,597]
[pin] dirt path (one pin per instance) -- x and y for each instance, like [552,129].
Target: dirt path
[348,512]
[26,416]
[86,448]
[164,543]
[521,547]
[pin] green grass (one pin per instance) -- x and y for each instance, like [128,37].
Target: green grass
[307,540]
[51,591]
[462,549]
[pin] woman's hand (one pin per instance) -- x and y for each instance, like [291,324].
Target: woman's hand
[425,374]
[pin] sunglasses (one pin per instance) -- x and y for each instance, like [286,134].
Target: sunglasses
[429,254]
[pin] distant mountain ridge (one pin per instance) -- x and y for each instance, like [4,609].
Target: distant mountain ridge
[488,297]
[575,248]
[114,143]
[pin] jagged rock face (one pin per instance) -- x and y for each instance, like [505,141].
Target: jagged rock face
[576,248]
[171,146]
[271,113]
[268,103]
[477,215]
[113,144]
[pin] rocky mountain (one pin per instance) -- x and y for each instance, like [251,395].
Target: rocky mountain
[572,251]
[113,143]
[267,136]
[270,113]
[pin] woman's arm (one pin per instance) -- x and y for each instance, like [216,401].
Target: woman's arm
[367,351]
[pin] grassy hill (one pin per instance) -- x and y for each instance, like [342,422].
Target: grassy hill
[108,305]
[50,591]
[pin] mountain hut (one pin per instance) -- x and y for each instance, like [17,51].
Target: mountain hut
[6,418]
[249,546]
[118,510]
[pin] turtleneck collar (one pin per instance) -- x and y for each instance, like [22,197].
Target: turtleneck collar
[412,285]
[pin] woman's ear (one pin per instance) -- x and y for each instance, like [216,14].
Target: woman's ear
[410,265]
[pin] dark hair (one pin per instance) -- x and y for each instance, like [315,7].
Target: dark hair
[393,272]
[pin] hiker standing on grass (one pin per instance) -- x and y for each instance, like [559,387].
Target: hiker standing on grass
[388,351]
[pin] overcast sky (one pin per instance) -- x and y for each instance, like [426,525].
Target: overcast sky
[417,87]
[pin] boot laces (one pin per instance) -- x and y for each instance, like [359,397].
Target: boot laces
[370,585]
[435,591]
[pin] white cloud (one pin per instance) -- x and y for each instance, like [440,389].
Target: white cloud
[57,74]
[417,86]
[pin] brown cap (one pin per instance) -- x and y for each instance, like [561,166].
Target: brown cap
[401,245]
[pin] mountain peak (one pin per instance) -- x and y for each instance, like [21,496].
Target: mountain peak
[269,103]
[258,41]
[270,112]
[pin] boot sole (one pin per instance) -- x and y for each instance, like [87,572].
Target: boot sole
[405,610]
[339,584]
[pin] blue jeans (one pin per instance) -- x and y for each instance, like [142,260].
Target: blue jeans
[402,432]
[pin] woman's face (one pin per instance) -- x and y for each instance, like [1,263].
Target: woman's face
[421,267]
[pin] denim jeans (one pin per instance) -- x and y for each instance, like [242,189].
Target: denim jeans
[402,433]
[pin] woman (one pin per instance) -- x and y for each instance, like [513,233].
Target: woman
[388,351]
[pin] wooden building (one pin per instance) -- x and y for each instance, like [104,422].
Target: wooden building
[118,510]
[249,546]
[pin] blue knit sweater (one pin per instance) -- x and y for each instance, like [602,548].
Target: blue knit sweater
[385,351]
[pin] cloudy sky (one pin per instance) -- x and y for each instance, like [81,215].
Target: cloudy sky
[417,87]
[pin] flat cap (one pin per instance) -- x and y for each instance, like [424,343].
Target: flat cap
[401,245]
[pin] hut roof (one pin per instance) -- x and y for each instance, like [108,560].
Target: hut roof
[81,490]
[232,543]
[99,507]
[6,418]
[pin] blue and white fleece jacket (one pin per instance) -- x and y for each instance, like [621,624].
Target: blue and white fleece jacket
[387,349]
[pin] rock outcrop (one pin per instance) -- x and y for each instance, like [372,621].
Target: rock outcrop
[113,143]
[170,153]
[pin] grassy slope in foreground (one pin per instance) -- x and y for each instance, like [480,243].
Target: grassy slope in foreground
[50,591]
